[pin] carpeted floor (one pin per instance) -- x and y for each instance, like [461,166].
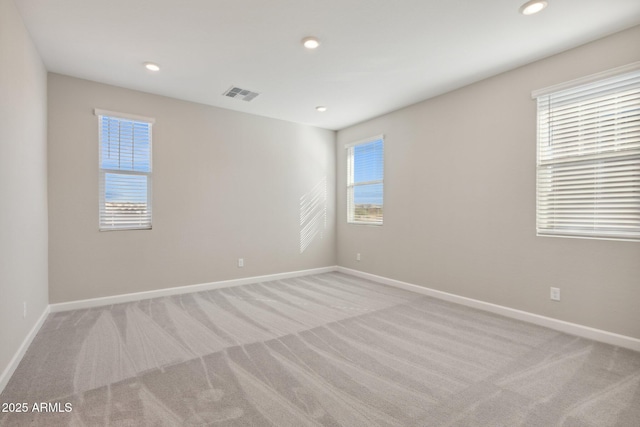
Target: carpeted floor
[323,350]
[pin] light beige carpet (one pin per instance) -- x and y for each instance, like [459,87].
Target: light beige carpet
[324,350]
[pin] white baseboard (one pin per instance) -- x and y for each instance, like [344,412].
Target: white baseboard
[17,357]
[137,296]
[558,325]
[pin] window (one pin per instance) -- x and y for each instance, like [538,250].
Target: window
[588,163]
[125,171]
[365,161]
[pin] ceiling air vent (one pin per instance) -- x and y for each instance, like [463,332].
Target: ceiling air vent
[238,93]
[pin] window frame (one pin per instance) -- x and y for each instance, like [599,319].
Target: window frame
[598,162]
[351,184]
[100,113]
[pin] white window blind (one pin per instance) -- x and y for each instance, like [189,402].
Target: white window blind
[588,165]
[125,172]
[365,173]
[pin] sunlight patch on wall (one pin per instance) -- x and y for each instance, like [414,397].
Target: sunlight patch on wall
[313,214]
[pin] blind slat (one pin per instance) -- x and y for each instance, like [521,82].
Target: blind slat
[365,173]
[125,173]
[588,168]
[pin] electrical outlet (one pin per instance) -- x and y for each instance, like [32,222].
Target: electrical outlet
[240,262]
[24,310]
[555,294]
[358,256]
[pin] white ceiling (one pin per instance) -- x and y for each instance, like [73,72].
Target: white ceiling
[376,55]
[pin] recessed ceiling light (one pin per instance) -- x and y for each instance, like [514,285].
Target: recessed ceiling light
[321,108]
[310,42]
[532,6]
[151,66]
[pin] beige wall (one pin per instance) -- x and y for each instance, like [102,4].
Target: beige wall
[460,201]
[23,185]
[226,185]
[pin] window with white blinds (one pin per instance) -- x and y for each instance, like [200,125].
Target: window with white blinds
[125,171]
[365,173]
[588,163]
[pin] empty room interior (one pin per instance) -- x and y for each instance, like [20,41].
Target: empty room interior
[320,213]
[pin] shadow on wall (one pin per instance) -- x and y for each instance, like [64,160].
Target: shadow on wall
[313,214]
